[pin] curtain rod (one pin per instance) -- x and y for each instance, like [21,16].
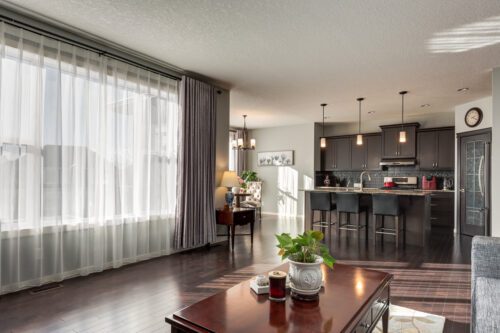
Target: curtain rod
[86,46]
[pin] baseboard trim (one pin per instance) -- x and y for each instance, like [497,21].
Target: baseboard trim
[278,214]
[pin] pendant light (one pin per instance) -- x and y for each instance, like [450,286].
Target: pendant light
[359,137]
[322,141]
[402,133]
[243,143]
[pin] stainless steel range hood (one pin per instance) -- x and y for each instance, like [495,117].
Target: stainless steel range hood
[398,162]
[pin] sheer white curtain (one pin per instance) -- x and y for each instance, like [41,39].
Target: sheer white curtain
[88,161]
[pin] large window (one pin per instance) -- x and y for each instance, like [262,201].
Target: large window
[83,137]
[87,143]
[233,154]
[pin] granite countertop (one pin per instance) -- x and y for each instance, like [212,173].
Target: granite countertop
[368,190]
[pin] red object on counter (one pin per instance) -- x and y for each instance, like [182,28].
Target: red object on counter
[429,183]
[389,184]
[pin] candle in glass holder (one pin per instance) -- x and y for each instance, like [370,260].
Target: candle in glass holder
[277,286]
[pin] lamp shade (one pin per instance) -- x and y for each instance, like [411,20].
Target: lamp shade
[402,136]
[230,179]
[252,143]
[322,142]
[359,139]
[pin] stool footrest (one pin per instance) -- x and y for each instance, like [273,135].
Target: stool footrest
[351,227]
[386,231]
[321,224]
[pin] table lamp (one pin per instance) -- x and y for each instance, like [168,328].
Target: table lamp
[229,180]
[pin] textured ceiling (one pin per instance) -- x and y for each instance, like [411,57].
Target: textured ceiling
[282,58]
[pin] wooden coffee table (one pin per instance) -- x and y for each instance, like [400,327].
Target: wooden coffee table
[353,300]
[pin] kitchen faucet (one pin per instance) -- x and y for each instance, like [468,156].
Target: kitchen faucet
[361,178]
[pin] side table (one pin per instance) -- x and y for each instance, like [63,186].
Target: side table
[233,217]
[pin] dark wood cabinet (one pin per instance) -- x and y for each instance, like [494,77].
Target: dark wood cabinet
[368,155]
[442,209]
[373,152]
[409,149]
[446,149]
[358,155]
[392,148]
[390,142]
[426,150]
[328,156]
[343,154]
[337,154]
[436,149]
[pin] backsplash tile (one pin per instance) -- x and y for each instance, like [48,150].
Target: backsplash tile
[377,177]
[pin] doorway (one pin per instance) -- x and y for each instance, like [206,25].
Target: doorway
[474,182]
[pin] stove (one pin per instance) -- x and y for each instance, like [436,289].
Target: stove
[402,183]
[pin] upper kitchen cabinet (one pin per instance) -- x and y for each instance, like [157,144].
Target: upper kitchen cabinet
[337,154]
[368,155]
[426,149]
[392,148]
[373,151]
[436,149]
[358,155]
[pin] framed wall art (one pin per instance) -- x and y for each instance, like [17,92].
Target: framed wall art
[275,158]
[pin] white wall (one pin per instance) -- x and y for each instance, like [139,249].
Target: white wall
[495,154]
[222,145]
[485,104]
[281,185]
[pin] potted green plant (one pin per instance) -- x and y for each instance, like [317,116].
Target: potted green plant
[248,176]
[305,254]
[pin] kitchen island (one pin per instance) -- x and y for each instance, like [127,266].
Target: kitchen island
[415,203]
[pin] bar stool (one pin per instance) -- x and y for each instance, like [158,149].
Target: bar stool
[322,202]
[349,203]
[388,205]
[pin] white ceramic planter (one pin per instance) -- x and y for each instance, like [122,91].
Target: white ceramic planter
[306,278]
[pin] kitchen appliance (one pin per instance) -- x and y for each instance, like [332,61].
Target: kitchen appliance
[429,183]
[398,162]
[448,184]
[388,183]
[400,183]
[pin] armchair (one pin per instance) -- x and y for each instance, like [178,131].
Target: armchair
[255,200]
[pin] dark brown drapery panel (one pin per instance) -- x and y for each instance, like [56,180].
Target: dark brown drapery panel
[195,218]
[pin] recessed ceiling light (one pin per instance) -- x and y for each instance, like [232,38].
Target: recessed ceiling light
[425,105]
[371,112]
[463,89]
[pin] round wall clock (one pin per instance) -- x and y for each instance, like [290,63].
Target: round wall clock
[473,117]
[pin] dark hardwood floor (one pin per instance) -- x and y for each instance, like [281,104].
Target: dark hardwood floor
[136,298]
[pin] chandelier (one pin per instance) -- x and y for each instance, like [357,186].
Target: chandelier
[244,143]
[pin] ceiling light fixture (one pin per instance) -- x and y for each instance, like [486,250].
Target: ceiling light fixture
[243,143]
[359,137]
[425,105]
[402,133]
[322,141]
[463,89]
[371,112]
